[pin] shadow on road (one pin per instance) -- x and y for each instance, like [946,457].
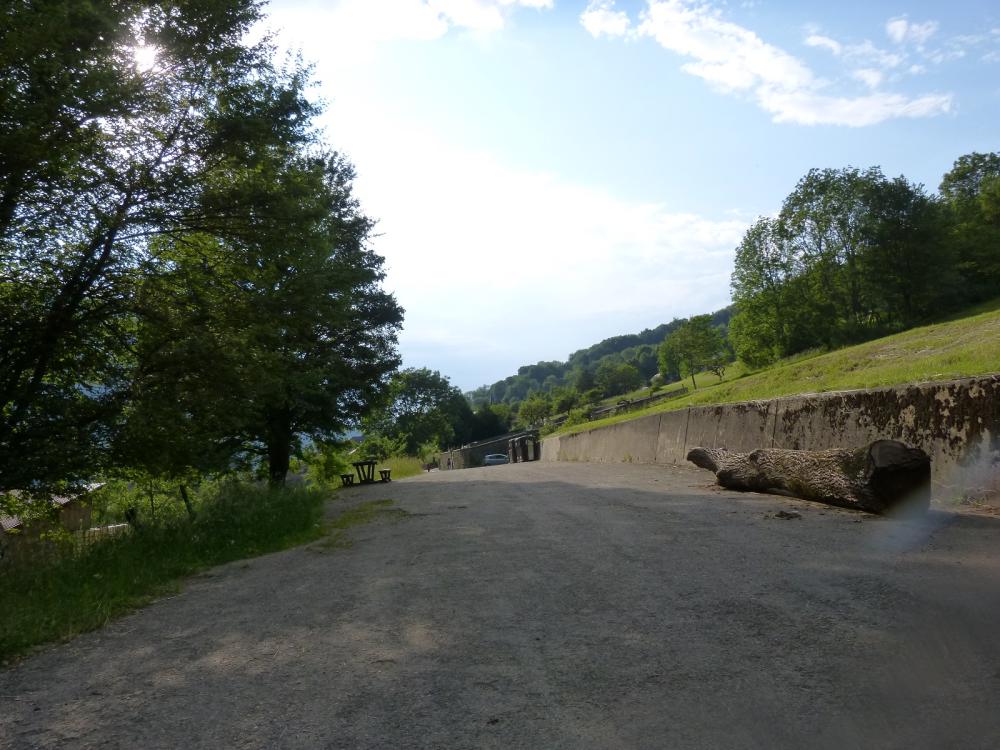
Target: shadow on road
[552,606]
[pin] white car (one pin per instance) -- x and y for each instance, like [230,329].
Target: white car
[495,459]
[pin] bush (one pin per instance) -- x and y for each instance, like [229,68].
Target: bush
[576,416]
[56,598]
[324,463]
[379,448]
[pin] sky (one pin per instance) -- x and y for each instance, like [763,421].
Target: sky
[549,173]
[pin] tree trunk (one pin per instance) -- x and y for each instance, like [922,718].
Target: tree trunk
[279,447]
[884,477]
[278,459]
[187,501]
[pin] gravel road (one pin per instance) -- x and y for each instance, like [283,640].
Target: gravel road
[554,606]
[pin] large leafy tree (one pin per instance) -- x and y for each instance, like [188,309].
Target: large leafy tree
[533,410]
[490,420]
[175,247]
[617,378]
[851,256]
[423,407]
[908,266]
[971,193]
[98,155]
[764,265]
[824,218]
[263,341]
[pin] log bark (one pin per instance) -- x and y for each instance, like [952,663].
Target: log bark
[885,477]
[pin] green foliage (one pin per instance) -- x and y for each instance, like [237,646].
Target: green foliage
[64,596]
[854,255]
[267,340]
[324,463]
[185,273]
[533,410]
[577,417]
[971,194]
[492,419]
[616,379]
[564,399]
[422,407]
[579,372]
[98,156]
[696,345]
[377,447]
[961,347]
[404,466]
[764,263]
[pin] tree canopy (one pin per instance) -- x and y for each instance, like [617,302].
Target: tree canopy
[854,255]
[695,346]
[183,270]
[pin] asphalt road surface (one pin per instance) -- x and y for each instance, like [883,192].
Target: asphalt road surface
[554,606]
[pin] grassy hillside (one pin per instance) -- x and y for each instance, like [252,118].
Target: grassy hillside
[961,347]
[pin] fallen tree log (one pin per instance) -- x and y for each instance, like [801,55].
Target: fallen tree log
[883,477]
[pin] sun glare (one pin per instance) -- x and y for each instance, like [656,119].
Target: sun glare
[145,57]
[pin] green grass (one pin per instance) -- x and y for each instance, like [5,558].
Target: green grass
[402,466]
[955,348]
[55,599]
[702,379]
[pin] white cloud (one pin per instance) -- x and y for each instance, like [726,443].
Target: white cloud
[811,109]
[352,27]
[724,52]
[502,245]
[895,29]
[868,76]
[867,53]
[986,46]
[495,265]
[733,58]
[601,18]
[900,30]
[818,40]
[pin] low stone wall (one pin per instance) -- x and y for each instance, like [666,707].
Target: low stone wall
[957,423]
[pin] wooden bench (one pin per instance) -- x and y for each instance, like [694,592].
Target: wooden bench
[384,473]
[347,479]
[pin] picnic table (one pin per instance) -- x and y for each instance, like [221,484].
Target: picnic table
[366,471]
[366,474]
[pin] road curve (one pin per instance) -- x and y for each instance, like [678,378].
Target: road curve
[554,606]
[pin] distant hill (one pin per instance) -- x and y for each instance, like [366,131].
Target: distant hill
[637,349]
[964,345]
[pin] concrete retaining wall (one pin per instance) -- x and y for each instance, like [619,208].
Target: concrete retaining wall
[470,456]
[956,422]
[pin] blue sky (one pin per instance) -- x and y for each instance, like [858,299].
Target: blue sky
[548,173]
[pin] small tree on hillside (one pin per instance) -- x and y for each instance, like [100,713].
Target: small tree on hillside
[697,345]
[533,410]
[615,379]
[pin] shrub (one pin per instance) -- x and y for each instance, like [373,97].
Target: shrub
[57,597]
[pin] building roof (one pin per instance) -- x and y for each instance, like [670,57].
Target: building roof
[12,522]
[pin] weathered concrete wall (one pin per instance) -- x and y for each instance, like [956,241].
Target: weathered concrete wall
[470,456]
[956,422]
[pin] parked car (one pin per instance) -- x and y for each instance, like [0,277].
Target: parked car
[495,459]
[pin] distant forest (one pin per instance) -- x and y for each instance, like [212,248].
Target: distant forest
[852,255]
[586,368]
